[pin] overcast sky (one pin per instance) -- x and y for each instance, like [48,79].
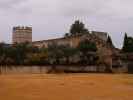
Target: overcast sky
[52,18]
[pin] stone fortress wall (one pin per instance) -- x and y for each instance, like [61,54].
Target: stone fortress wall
[99,37]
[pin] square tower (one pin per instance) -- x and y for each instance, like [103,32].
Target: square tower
[22,35]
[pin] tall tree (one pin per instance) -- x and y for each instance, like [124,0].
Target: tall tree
[128,44]
[125,42]
[78,28]
[109,41]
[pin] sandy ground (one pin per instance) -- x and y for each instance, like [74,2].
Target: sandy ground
[66,87]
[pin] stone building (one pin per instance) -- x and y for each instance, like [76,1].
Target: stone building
[22,34]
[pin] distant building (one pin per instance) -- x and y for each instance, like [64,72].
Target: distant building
[22,35]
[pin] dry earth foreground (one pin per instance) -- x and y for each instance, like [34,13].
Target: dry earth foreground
[66,87]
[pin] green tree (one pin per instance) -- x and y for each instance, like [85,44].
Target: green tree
[68,52]
[54,53]
[78,28]
[88,51]
[2,52]
[6,54]
[109,41]
[21,51]
[125,42]
[128,44]
[1,49]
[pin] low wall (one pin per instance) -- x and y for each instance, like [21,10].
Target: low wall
[44,69]
[22,69]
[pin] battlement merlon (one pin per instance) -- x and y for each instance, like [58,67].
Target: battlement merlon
[22,28]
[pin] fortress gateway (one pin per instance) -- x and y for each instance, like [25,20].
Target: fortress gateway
[22,34]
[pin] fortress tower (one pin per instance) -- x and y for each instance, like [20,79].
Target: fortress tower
[22,34]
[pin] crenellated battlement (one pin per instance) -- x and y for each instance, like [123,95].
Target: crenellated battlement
[22,28]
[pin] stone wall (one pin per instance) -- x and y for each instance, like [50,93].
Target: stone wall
[73,41]
[45,69]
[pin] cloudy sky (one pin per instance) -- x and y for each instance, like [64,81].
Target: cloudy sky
[52,18]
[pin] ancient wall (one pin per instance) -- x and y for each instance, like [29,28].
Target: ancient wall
[72,41]
[98,37]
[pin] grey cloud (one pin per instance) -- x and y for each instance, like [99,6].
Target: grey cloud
[15,6]
[6,4]
[100,8]
[80,8]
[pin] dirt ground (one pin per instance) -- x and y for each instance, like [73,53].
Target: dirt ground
[66,87]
